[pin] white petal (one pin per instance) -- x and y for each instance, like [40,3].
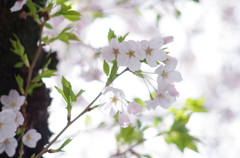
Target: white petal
[175,76]
[7,116]
[144,44]
[134,64]
[20,101]
[18,5]
[13,95]
[156,42]
[114,43]
[5,100]
[107,53]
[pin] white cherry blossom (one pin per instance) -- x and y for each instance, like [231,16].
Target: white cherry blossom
[7,125]
[31,138]
[167,73]
[123,120]
[130,55]
[12,101]
[19,118]
[168,39]
[153,51]
[110,52]
[18,5]
[112,101]
[9,146]
[163,97]
[134,108]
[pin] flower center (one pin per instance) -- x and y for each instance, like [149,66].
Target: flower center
[164,74]
[149,51]
[28,137]
[161,96]
[131,54]
[114,99]
[13,104]
[6,141]
[115,51]
[1,124]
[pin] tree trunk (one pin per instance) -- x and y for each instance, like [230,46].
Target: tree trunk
[27,30]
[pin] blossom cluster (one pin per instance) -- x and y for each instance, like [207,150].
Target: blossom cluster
[10,119]
[131,54]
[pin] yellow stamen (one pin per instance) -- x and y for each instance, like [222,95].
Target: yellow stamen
[115,51]
[28,137]
[6,141]
[131,54]
[13,104]
[164,74]
[114,100]
[149,51]
[161,96]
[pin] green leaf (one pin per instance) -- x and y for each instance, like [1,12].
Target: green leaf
[25,60]
[62,93]
[47,64]
[63,37]
[139,101]
[31,6]
[195,105]
[178,13]
[196,1]
[45,74]
[47,25]
[60,1]
[72,17]
[111,35]
[72,36]
[17,47]
[19,64]
[45,39]
[88,120]
[157,121]
[113,73]
[19,80]
[105,67]
[120,39]
[79,93]
[33,86]
[66,142]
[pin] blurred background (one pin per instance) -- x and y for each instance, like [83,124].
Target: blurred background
[207,45]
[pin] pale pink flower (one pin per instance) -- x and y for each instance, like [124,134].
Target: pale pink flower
[153,51]
[12,101]
[123,120]
[31,138]
[168,39]
[134,108]
[110,52]
[113,100]
[7,125]
[162,98]
[167,73]
[18,5]
[130,55]
[19,118]
[9,146]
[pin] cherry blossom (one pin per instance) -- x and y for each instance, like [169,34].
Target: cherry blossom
[7,125]
[31,138]
[19,118]
[153,51]
[168,39]
[110,52]
[113,101]
[18,5]
[163,97]
[12,101]
[130,55]
[9,146]
[123,120]
[134,108]
[167,73]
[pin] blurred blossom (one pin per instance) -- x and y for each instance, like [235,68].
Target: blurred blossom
[19,118]
[123,120]
[9,146]
[12,101]
[112,101]
[18,5]
[31,137]
[168,39]
[134,108]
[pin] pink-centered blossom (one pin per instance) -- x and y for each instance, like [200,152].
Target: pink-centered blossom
[130,55]
[167,73]
[12,101]
[134,108]
[123,120]
[18,5]
[110,52]
[153,51]
[9,146]
[112,101]
[31,138]
[7,125]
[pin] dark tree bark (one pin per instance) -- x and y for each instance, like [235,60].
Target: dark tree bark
[27,30]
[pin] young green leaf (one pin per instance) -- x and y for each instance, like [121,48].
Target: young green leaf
[19,64]
[47,25]
[66,142]
[111,35]
[61,1]
[33,86]
[19,80]
[105,67]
